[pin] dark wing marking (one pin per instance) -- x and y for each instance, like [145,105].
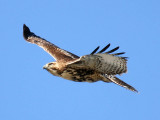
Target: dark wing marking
[108,52]
[95,50]
[113,50]
[53,50]
[105,48]
[119,53]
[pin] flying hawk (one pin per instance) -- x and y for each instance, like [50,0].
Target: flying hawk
[97,66]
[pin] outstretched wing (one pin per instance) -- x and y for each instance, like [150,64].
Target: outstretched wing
[105,63]
[59,55]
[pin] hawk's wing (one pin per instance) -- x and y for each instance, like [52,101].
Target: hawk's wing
[106,63]
[53,50]
[119,82]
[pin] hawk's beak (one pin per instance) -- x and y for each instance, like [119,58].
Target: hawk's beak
[44,67]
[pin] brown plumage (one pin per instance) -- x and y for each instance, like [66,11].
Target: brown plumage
[89,68]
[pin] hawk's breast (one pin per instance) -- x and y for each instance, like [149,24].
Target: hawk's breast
[80,75]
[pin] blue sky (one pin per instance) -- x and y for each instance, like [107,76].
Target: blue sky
[27,92]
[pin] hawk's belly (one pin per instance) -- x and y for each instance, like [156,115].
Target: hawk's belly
[80,75]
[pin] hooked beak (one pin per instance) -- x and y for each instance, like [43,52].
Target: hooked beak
[45,67]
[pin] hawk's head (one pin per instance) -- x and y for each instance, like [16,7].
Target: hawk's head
[52,68]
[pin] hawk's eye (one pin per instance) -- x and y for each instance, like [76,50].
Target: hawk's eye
[50,63]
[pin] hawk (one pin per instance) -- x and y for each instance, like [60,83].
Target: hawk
[96,66]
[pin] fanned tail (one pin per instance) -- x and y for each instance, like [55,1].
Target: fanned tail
[120,83]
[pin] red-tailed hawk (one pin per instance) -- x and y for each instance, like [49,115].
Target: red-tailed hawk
[97,66]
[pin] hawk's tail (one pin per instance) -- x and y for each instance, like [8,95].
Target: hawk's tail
[119,82]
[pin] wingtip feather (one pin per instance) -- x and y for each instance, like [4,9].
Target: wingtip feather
[26,32]
[106,47]
[95,50]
